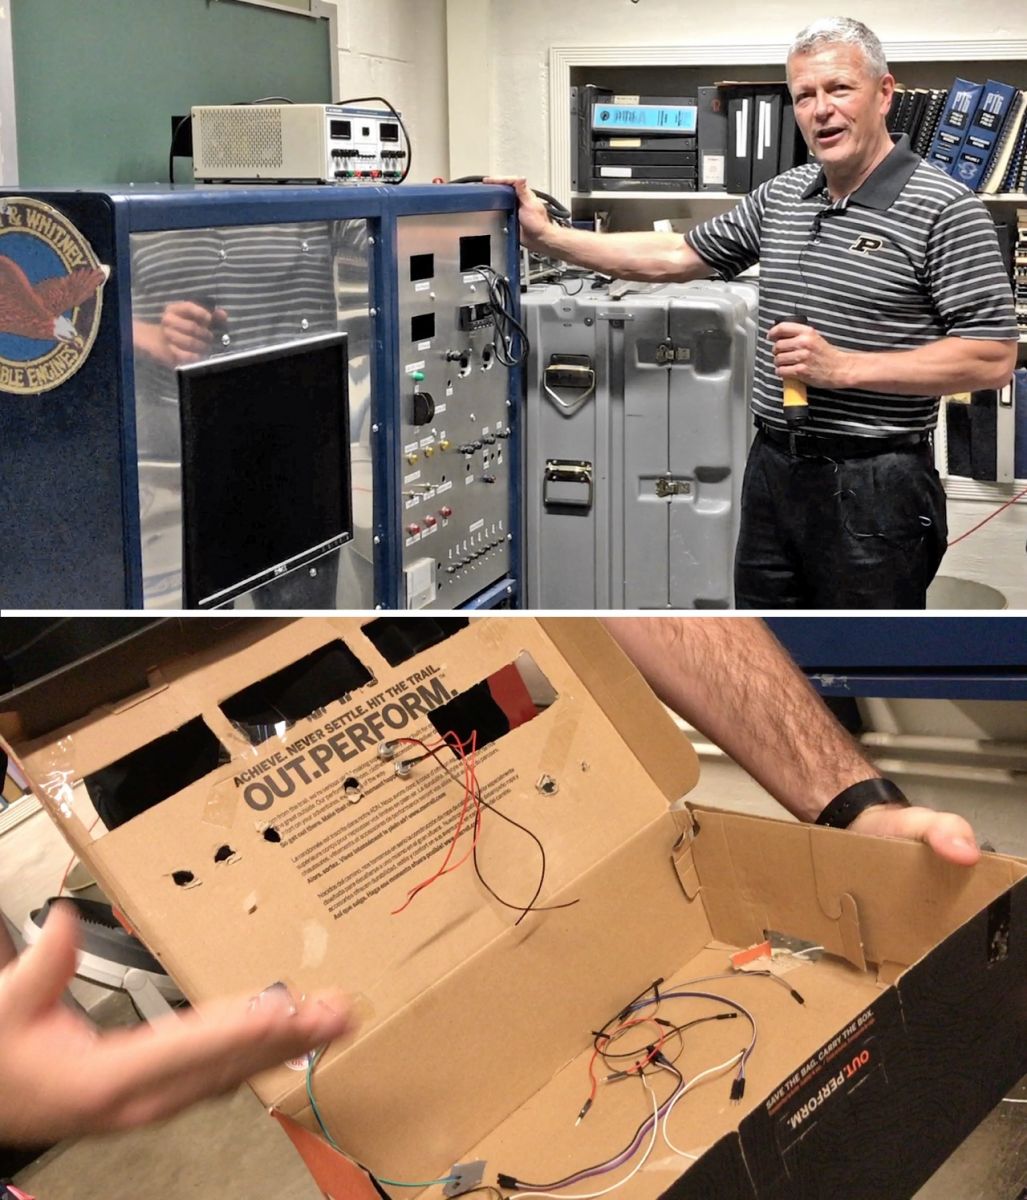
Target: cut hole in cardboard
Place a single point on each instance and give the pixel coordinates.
(272, 705)
(224, 854)
(511, 696)
(272, 835)
(142, 779)
(398, 638)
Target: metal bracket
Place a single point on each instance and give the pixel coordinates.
(667, 354)
(668, 486)
(464, 1177)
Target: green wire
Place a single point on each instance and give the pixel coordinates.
(335, 1145)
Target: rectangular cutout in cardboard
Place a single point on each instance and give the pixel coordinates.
(274, 704)
(142, 779)
(486, 711)
(399, 638)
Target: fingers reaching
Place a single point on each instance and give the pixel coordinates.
(153, 1072)
(35, 981)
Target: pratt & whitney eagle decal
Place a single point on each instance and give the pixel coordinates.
(51, 290)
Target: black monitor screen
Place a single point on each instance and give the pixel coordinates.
(265, 464)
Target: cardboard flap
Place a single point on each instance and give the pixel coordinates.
(865, 899)
(621, 692)
(543, 986)
(298, 854)
(112, 676)
(335, 1174)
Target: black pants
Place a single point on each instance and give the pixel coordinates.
(861, 532)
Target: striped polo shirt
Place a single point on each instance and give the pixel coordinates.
(910, 257)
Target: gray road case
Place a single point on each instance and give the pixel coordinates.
(637, 429)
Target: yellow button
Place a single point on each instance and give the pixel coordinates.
(429, 451)
(444, 444)
(412, 458)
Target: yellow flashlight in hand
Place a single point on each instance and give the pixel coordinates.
(796, 405)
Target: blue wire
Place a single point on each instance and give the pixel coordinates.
(335, 1145)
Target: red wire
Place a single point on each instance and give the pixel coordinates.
(608, 1038)
(1001, 508)
(470, 794)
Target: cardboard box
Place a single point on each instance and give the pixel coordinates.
(286, 860)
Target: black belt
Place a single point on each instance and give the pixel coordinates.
(825, 445)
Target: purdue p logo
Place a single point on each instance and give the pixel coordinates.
(866, 245)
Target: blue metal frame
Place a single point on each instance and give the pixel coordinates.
(184, 206)
(967, 658)
(503, 591)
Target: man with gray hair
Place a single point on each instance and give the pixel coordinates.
(881, 288)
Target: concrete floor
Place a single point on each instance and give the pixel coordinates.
(231, 1150)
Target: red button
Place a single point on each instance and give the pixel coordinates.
(445, 511)
(375, 174)
(430, 521)
(412, 529)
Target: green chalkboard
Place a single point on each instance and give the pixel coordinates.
(97, 81)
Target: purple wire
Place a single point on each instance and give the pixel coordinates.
(613, 1163)
(625, 1155)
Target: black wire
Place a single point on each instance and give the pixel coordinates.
(677, 1030)
(508, 328)
(522, 909)
(558, 213)
(187, 120)
(399, 119)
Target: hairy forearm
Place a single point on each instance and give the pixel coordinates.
(648, 257)
(950, 365)
(731, 680)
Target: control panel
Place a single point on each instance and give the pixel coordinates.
(456, 467)
(329, 143)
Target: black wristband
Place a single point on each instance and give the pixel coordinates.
(840, 812)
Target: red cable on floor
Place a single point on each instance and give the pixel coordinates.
(1001, 508)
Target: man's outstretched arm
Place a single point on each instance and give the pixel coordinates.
(649, 257)
(60, 1077)
(732, 680)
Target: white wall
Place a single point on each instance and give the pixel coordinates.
(397, 49)
(8, 140)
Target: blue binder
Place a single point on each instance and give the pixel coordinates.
(983, 133)
(955, 120)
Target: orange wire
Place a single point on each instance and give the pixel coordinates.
(657, 1046)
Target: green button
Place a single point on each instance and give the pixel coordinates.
(417, 376)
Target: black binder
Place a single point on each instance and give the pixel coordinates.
(793, 145)
(766, 137)
(740, 121)
(712, 130)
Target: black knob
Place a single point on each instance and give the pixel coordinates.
(424, 408)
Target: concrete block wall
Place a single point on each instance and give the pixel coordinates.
(397, 49)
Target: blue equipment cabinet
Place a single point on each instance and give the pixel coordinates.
(967, 658)
(284, 398)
